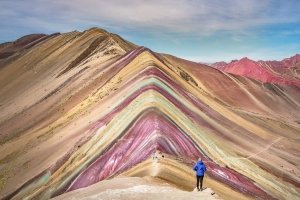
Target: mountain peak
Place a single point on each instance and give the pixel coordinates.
(246, 59)
(293, 59)
(97, 30)
(265, 71)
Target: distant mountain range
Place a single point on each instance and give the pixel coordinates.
(286, 71)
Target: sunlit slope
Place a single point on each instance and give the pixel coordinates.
(98, 106)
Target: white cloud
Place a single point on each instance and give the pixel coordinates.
(202, 30)
(197, 17)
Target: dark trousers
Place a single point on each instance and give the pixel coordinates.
(199, 179)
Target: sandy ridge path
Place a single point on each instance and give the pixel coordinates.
(135, 188)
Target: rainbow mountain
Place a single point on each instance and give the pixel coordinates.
(81, 107)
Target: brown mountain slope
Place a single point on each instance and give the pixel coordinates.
(82, 107)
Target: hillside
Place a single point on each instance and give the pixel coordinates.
(78, 108)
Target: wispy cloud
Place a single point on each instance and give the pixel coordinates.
(173, 21)
(179, 16)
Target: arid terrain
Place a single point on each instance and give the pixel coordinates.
(83, 113)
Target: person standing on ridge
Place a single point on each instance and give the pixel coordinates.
(200, 169)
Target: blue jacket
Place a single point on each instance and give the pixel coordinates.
(200, 168)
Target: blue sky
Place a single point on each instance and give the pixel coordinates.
(199, 30)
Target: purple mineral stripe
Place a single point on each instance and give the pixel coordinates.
(119, 157)
(168, 138)
(206, 109)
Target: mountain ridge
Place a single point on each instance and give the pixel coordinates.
(73, 130)
(285, 71)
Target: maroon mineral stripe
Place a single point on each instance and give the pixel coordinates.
(108, 164)
(154, 72)
(140, 130)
